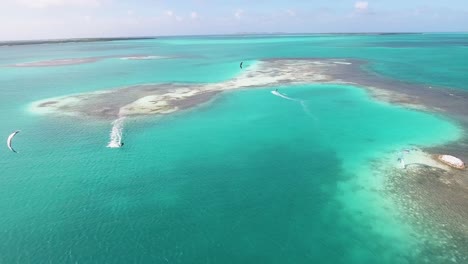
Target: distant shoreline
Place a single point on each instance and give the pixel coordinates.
(103, 39)
(73, 40)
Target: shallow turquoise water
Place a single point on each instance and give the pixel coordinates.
(246, 178)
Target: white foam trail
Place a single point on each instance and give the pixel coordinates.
(284, 96)
(306, 109)
(116, 133)
(308, 112)
(302, 102)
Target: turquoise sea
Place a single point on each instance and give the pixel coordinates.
(246, 178)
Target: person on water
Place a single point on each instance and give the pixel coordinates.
(121, 144)
(276, 90)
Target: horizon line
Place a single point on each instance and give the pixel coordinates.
(91, 39)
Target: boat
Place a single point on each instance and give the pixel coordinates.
(451, 161)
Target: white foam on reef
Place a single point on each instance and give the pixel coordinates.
(152, 57)
(116, 133)
(342, 62)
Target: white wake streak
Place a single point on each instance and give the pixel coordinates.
(116, 133)
(306, 109)
(302, 102)
(284, 96)
(308, 112)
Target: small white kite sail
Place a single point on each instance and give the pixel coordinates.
(10, 138)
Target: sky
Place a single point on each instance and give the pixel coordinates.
(56, 19)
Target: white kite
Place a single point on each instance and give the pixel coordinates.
(10, 138)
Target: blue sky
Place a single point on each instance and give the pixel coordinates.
(45, 19)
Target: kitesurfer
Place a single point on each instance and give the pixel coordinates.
(9, 140)
(241, 64)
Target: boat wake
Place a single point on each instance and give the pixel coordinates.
(284, 96)
(116, 133)
(307, 110)
(302, 102)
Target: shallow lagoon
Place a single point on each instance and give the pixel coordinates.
(247, 177)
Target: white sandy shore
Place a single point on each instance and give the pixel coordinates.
(146, 105)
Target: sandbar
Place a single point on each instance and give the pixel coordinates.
(163, 98)
(77, 61)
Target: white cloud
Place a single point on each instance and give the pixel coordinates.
(58, 3)
(291, 12)
(361, 5)
(194, 15)
(130, 12)
(238, 14)
(172, 15)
